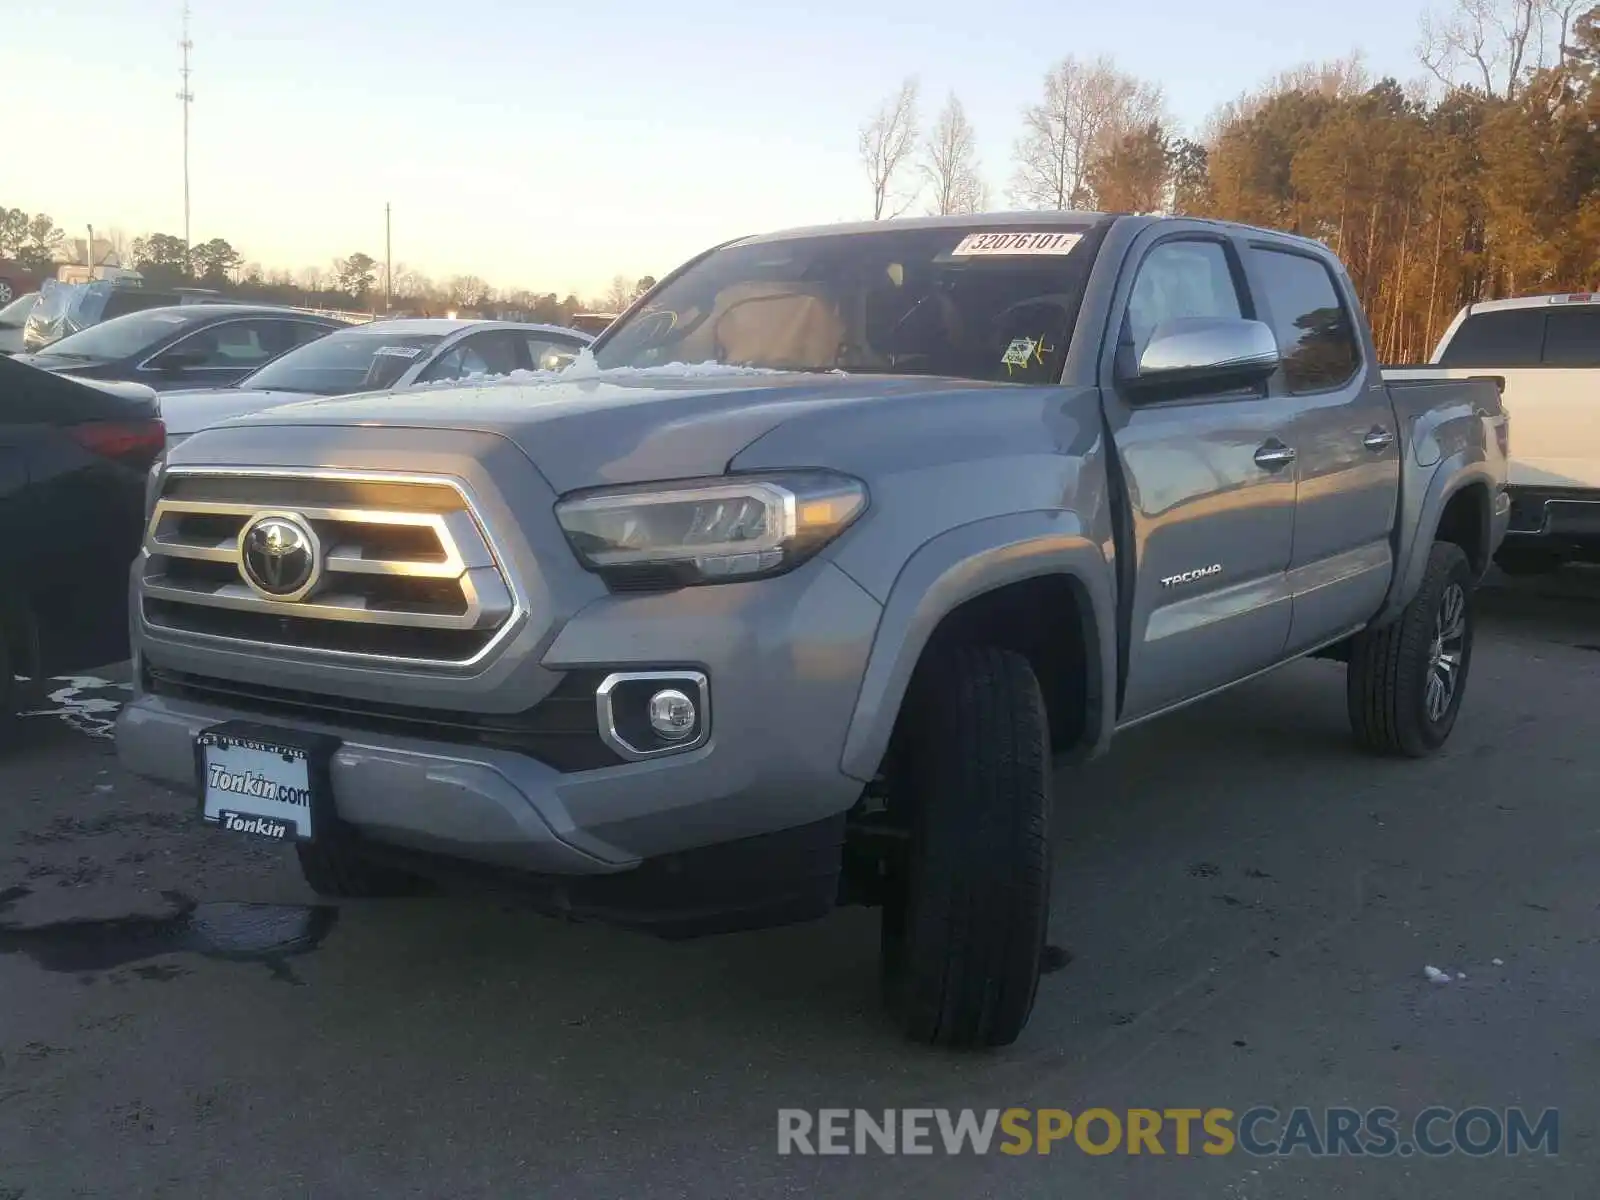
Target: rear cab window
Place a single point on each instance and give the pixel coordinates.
(1572, 337)
(1508, 337)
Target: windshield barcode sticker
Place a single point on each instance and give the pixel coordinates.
(1016, 243)
(397, 351)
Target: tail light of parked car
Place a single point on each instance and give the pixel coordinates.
(132, 443)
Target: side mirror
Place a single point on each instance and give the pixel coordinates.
(1207, 354)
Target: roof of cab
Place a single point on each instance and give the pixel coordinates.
(1483, 306)
(995, 220)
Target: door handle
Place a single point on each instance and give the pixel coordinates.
(1378, 439)
(1274, 455)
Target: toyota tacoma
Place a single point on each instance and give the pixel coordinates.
(791, 592)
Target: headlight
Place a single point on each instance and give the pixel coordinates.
(709, 530)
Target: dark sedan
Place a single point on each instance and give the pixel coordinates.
(183, 346)
(74, 460)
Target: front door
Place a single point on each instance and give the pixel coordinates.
(1347, 443)
(1211, 484)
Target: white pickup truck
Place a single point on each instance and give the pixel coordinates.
(1546, 351)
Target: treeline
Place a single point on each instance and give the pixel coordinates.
(1485, 184)
(352, 283)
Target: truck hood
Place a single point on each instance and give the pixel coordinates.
(621, 427)
(186, 411)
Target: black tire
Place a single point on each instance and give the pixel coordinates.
(1387, 685)
(964, 924)
(335, 872)
(1517, 562)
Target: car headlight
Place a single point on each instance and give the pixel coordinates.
(731, 527)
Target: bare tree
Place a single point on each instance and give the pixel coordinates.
(467, 291)
(1494, 44)
(619, 295)
(886, 142)
(1086, 107)
(950, 163)
(1335, 79)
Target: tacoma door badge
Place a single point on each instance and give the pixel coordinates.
(1191, 576)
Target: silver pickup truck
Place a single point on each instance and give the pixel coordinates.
(791, 593)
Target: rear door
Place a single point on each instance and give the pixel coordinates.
(1210, 485)
(1344, 435)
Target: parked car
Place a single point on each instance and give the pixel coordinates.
(74, 460)
(183, 346)
(1546, 349)
(15, 280)
(13, 317)
(65, 308)
(697, 648)
(385, 355)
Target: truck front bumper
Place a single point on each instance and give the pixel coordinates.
(782, 659)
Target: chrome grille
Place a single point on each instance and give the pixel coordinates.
(408, 572)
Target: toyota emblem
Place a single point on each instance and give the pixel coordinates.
(279, 555)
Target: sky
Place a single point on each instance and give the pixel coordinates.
(554, 146)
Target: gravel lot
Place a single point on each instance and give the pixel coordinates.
(1248, 904)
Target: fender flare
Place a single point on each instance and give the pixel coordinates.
(957, 566)
(1460, 470)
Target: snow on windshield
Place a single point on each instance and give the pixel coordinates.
(585, 367)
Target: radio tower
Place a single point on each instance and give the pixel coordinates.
(187, 97)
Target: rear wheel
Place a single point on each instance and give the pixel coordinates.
(334, 871)
(1406, 680)
(964, 922)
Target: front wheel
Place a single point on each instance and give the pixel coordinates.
(1406, 680)
(964, 923)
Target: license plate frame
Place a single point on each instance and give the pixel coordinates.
(249, 747)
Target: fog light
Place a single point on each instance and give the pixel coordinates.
(672, 714)
(645, 713)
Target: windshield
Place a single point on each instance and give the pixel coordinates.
(993, 305)
(120, 337)
(353, 360)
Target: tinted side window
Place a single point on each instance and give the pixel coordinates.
(485, 354)
(548, 352)
(1176, 281)
(301, 332)
(1315, 333)
(1572, 337)
(1511, 337)
(230, 345)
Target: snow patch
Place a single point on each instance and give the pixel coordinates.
(1435, 975)
(78, 706)
(585, 366)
